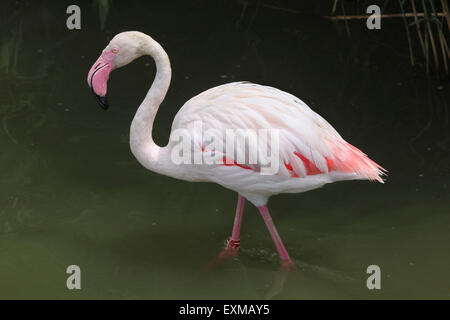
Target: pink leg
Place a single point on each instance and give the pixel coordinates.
(282, 252)
(233, 241)
(232, 246)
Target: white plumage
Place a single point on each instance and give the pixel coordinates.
(243, 105)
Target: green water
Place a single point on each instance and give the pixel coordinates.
(72, 193)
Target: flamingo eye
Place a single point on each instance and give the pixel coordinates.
(115, 50)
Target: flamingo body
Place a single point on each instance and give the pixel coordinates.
(310, 152)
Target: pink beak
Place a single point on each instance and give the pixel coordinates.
(98, 77)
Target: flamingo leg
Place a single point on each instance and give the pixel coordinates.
(282, 252)
(233, 242)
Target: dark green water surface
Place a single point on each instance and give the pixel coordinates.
(72, 193)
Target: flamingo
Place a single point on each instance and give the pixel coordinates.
(311, 153)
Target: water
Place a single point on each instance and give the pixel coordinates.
(72, 193)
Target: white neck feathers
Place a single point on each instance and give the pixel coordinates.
(141, 141)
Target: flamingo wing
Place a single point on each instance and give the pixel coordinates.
(308, 144)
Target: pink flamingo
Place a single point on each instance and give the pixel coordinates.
(311, 152)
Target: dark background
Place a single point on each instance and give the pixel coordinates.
(72, 193)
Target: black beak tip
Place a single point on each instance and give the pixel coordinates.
(102, 101)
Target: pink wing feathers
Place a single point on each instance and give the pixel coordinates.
(308, 144)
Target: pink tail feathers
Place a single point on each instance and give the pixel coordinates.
(348, 158)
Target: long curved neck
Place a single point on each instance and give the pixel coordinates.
(141, 141)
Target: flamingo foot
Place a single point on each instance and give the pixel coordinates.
(231, 249)
(288, 265)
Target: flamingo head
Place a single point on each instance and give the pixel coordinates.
(122, 49)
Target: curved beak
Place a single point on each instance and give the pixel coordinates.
(98, 80)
